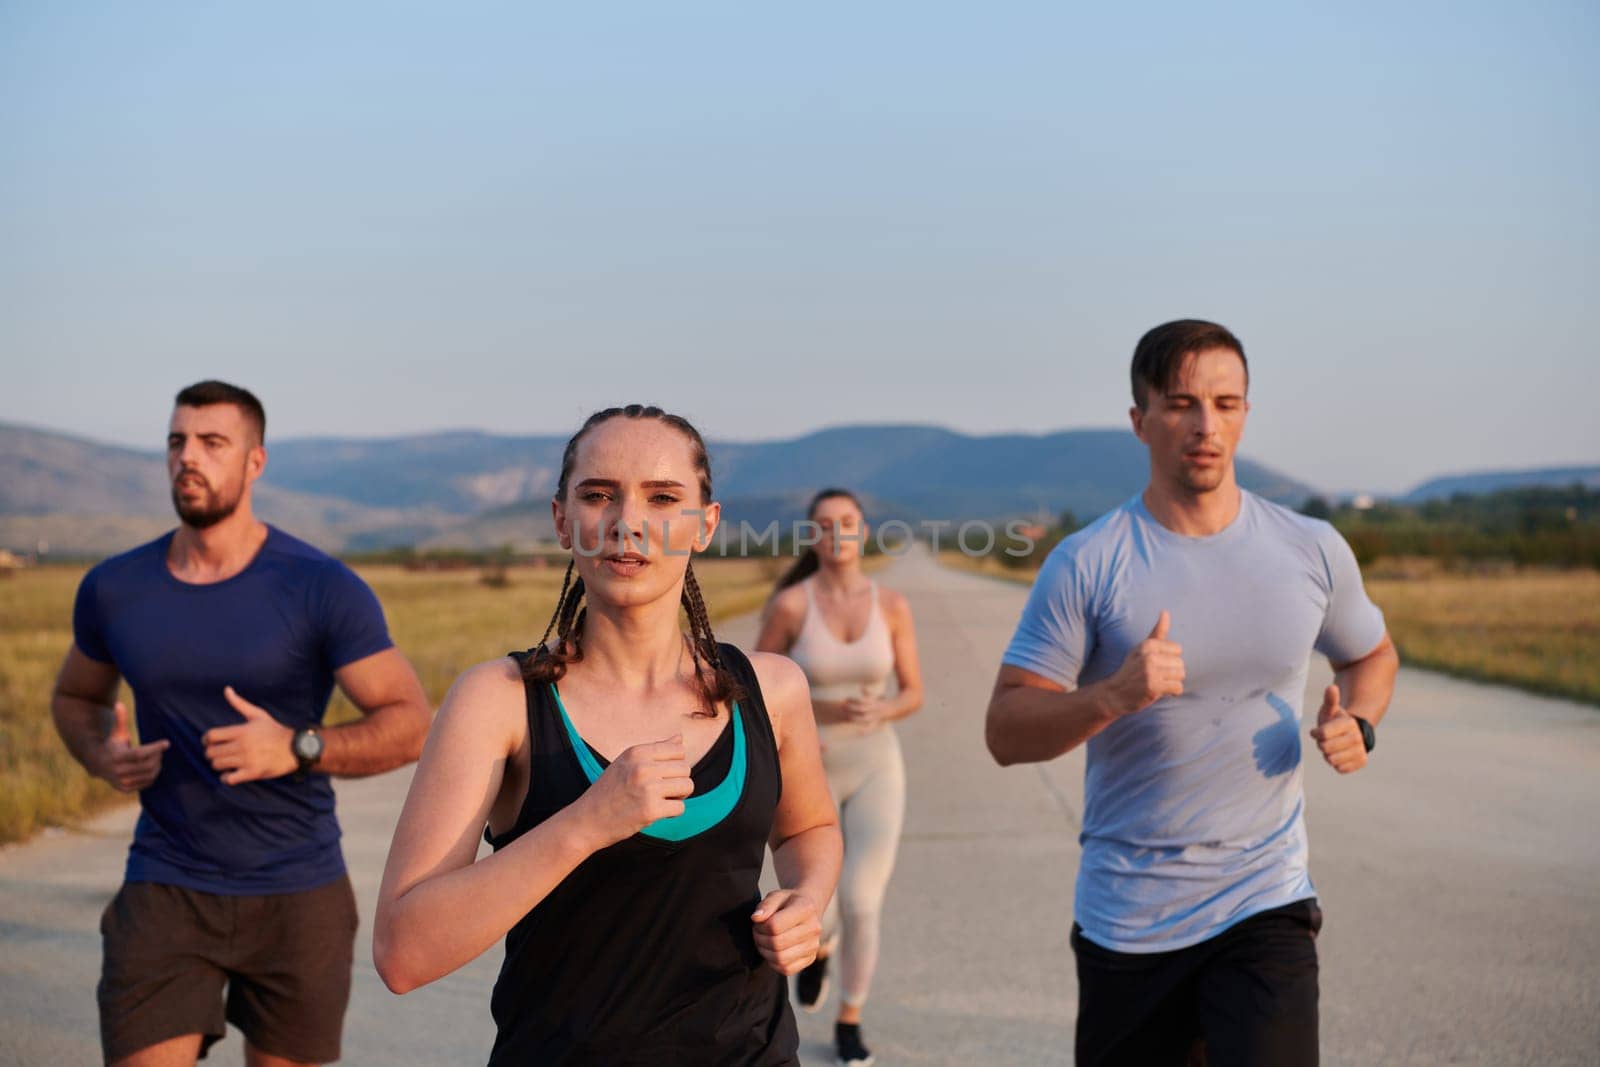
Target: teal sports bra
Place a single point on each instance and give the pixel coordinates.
(700, 813)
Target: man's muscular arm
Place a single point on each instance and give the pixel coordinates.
(1032, 719)
(394, 723)
(94, 724)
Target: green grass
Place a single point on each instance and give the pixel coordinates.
(444, 621)
(1538, 630)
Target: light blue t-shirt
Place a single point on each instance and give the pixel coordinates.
(1193, 809)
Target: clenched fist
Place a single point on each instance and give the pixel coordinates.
(645, 783)
(788, 930)
(865, 711)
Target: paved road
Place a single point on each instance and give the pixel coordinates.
(1460, 876)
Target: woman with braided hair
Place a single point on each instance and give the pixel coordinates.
(629, 777)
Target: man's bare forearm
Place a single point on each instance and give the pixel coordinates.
(388, 736)
(1367, 685)
(83, 724)
(1027, 724)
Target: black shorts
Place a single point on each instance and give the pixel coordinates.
(284, 960)
(1246, 996)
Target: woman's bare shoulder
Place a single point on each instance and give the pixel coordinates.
(783, 683)
(490, 694)
(894, 604)
(492, 675)
(788, 603)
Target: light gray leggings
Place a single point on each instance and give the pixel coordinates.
(868, 779)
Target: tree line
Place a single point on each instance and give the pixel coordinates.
(1543, 526)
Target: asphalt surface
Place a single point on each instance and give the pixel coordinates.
(1459, 874)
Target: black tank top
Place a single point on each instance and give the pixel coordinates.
(645, 954)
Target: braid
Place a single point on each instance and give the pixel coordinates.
(722, 685)
(567, 621)
(566, 583)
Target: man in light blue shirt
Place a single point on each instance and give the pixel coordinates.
(1173, 636)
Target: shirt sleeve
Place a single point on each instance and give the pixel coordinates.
(353, 626)
(1352, 626)
(87, 632)
(1054, 634)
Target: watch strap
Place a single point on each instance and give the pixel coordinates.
(1369, 736)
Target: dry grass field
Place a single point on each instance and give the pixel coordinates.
(1538, 630)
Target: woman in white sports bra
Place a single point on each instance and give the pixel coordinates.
(850, 637)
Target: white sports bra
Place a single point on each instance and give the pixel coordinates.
(839, 670)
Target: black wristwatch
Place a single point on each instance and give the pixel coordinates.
(1369, 736)
(307, 749)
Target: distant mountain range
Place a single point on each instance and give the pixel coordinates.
(85, 498)
(922, 470)
(1492, 481)
(473, 490)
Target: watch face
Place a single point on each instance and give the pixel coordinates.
(308, 745)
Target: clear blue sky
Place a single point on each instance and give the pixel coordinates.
(390, 218)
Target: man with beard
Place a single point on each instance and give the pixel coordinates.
(1173, 636)
(235, 905)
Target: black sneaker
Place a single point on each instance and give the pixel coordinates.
(811, 984)
(847, 1041)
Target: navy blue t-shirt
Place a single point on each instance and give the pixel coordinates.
(276, 632)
